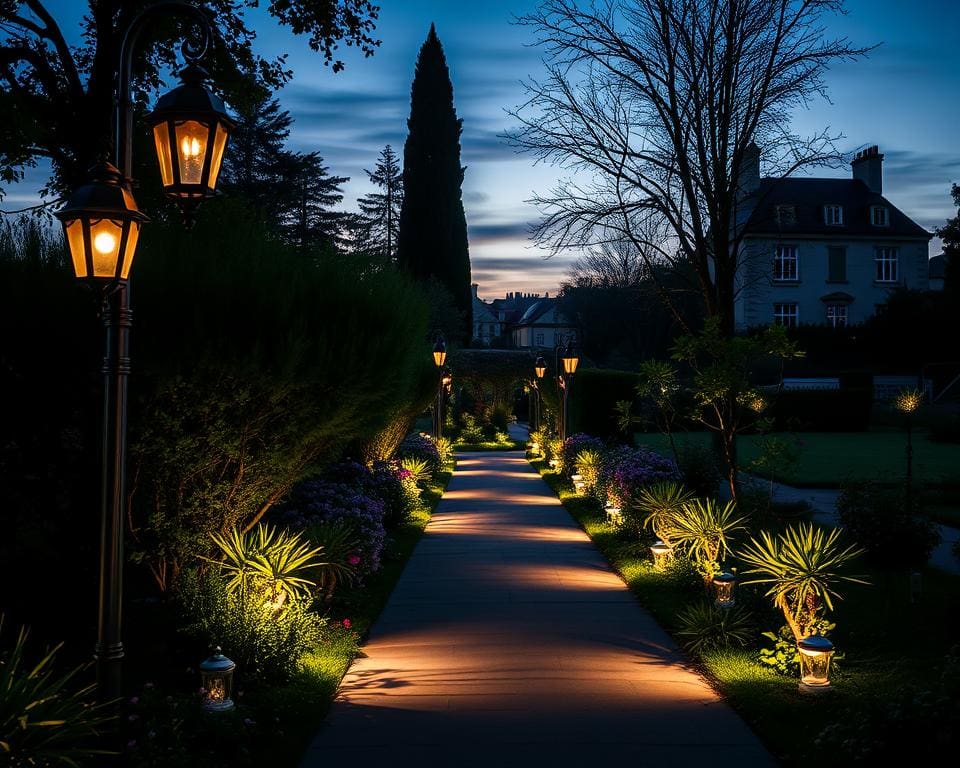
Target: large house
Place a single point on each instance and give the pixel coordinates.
(493, 320)
(824, 250)
(542, 326)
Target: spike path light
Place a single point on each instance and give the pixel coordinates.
(101, 224)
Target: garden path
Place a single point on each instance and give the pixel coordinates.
(509, 641)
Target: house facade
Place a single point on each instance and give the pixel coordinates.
(824, 250)
(542, 327)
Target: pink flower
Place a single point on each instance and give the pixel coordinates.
(135, 700)
(347, 624)
(132, 744)
(353, 559)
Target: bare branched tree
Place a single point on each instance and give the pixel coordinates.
(656, 108)
(613, 263)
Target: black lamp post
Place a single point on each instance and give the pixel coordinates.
(570, 360)
(101, 223)
(439, 359)
(540, 369)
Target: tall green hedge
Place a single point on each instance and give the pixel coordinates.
(592, 398)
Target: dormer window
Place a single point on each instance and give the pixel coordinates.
(786, 214)
(879, 216)
(833, 215)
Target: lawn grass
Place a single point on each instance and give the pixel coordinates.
(828, 459)
(302, 703)
(491, 445)
(892, 652)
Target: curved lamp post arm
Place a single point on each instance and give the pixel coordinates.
(192, 49)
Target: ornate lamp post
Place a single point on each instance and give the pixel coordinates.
(101, 224)
(570, 360)
(439, 358)
(540, 369)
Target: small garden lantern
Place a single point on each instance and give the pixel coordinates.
(661, 555)
(723, 587)
(578, 483)
(101, 224)
(216, 674)
(190, 128)
(439, 353)
(816, 652)
(540, 367)
(570, 359)
(614, 514)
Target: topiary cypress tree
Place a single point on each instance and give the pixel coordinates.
(432, 241)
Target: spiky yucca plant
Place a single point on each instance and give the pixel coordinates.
(268, 560)
(418, 468)
(338, 541)
(659, 504)
(587, 464)
(705, 626)
(702, 529)
(45, 719)
(802, 567)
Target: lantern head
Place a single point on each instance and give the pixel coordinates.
(190, 128)
(439, 353)
(723, 585)
(101, 224)
(216, 674)
(540, 367)
(570, 359)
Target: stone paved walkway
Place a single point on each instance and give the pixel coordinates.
(510, 642)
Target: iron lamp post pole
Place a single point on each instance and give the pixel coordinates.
(117, 319)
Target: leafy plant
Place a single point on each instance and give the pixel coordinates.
(705, 626)
(444, 450)
(338, 542)
(587, 464)
(267, 561)
(659, 504)
(802, 566)
(702, 529)
(45, 719)
(266, 641)
(418, 468)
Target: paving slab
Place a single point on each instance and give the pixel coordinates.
(509, 641)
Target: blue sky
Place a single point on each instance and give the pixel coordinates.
(905, 97)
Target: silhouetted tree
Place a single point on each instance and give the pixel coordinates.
(306, 194)
(57, 97)
(380, 211)
(950, 234)
(433, 228)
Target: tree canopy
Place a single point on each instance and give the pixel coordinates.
(380, 211)
(656, 107)
(57, 93)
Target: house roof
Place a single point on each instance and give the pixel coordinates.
(936, 267)
(808, 196)
(536, 311)
(482, 312)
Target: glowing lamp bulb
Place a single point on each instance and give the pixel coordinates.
(105, 243)
(190, 146)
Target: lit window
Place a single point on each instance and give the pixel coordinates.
(786, 314)
(786, 214)
(833, 214)
(879, 216)
(837, 315)
(887, 262)
(785, 263)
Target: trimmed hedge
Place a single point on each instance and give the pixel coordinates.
(592, 399)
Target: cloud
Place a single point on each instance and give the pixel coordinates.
(513, 230)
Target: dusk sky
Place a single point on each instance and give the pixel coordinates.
(903, 97)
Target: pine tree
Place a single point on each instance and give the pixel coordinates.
(254, 152)
(433, 229)
(305, 197)
(380, 211)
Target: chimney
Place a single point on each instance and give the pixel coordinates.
(474, 287)
(750, 170)
(868, 167)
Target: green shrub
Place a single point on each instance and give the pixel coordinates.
(705, 626)
(445, 450)
(46, 718)
(890, 526)
(264, 640)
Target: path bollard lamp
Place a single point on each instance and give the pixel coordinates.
(816, 652)
(661, 555)
(723, 588)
